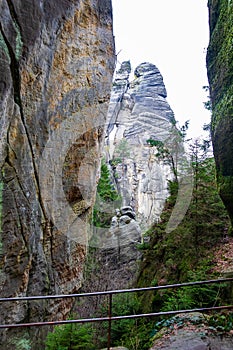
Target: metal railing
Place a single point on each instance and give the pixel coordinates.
(109, 318)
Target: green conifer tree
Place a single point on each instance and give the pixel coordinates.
(107, 199)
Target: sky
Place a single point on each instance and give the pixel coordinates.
(173, 35)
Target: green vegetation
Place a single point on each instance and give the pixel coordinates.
(1, 188)
(221, 322)
(185, 253)
(194, 296)
(18, 41)
(121, 153)
(131, 333)
(72, 336)
(207, 104)
(220, 75)
(21, 343)
(3, 45)
(107, 199)
(217, 324)
(163, 153)
(172, 152)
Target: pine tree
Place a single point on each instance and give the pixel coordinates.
(107, 199)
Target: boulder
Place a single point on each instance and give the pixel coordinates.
(191, 332)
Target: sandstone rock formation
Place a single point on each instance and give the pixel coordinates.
(138, 112)
(121, 254)
(220, 75)
(57, 61)
(124, 230)
(113, 263)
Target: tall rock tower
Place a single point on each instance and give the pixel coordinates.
(140, 112)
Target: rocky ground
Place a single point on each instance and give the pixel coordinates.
(117, 348)
(192, 332)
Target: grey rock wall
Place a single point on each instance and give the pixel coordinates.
(219, 61)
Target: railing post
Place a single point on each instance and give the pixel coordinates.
(109, 320)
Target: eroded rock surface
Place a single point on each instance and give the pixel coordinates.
(57, 61)
(186, 340)
(220, 76)
(138, 112)
(114, 261)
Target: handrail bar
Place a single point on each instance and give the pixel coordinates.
(101, 319)
(118, 291)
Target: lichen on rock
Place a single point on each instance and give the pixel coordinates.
(220, 75)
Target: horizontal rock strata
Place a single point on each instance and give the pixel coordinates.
(138, 112)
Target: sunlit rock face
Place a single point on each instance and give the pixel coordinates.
(138, 112)
(57, 62)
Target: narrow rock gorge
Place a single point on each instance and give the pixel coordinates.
(61, 114)
(57, 62)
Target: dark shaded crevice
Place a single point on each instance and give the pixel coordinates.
(14, 68)
(8, 142)
(13, 13)
(51, 271)
(7, 161)
(15, 74)
(21, 227)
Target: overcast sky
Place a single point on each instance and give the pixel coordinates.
(173, 35)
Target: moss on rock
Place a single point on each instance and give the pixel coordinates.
(220, 75)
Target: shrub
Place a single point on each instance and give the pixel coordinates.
(71, 336)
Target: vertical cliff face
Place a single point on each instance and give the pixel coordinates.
(138, 112)
(57, 61)
(220, 75)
